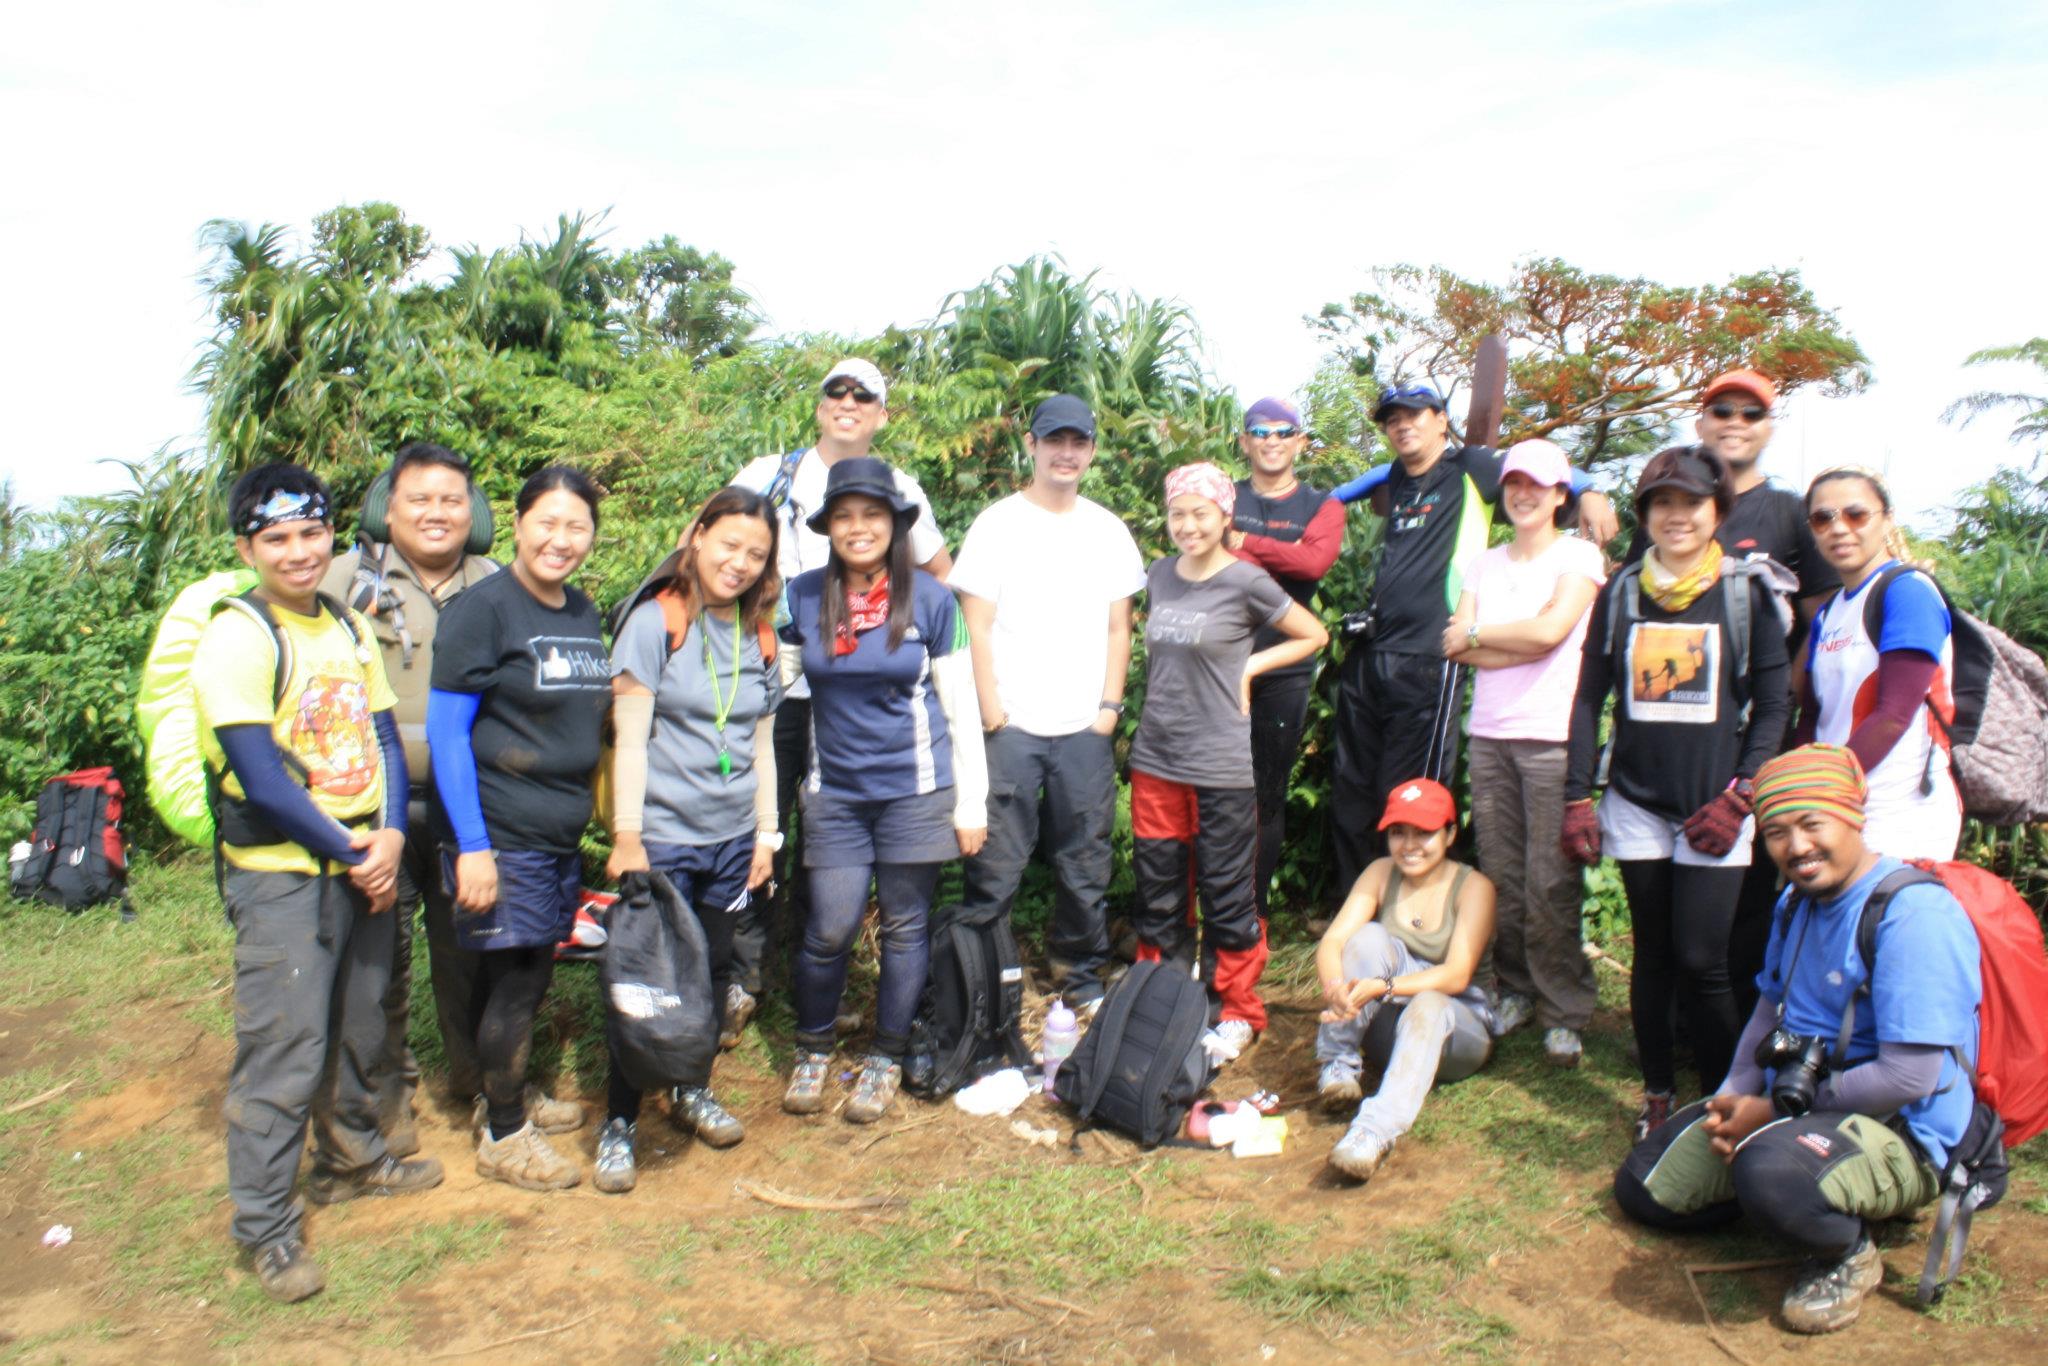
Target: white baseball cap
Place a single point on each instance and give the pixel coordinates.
(861, 372)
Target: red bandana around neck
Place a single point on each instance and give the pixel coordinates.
(864, 612)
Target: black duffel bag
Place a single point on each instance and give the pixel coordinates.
(656, 977)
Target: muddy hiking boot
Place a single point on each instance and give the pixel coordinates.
(288, 1273)
(1337, 1085)
(739, 1008)
(1360, 1152)
(879, 1079)
(614, 1172)
(1829, 1295)
(524, 1158)
(806, 1093)
(401, 1133)
(694, 1110)
(387, 1176)
(1511, 1012)
(543, 1112)
(1562, 1047)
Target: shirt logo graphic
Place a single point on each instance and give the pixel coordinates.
(1818, 1143)
(569, 662)
(1674, 673)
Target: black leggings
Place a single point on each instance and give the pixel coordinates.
(509, 986)
(1682, 916)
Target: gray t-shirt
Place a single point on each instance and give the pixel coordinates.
(689, 801)
(1197, 638)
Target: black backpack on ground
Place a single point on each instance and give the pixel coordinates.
(656, 978)
(1141, 1065)
(77, 856)
(968, 1025)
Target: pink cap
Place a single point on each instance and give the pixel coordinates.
(1539, 460)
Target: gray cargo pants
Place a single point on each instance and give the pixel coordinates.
(1518, 812)
(311, 964)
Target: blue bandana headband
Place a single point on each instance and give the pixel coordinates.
(281, 507)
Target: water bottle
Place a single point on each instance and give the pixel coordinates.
(1056, 1043)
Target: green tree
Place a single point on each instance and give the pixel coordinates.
(2033, 421)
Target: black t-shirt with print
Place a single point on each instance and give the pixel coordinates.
(1435, 529)
(545, 680)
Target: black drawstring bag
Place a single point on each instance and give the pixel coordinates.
(656, 976)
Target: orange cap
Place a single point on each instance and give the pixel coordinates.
(1744, 381)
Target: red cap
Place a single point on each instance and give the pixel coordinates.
(1424, 804)
(1743, 381)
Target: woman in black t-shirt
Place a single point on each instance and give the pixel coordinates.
(521, 687)
(1696, 712)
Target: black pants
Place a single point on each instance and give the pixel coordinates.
(1681, 915)
(1396, 719)
(1279, 708)
(769, 928)
(452, 968)
(1751, 932)
(510, 985)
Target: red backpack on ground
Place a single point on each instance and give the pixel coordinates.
(77, 856)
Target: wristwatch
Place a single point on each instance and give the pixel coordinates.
(1108, 705)
(769, 839)
(1472, 636)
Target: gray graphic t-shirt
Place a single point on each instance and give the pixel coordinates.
(691, 797)
(1197, 638)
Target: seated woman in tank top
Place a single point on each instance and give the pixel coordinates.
(1406, 971)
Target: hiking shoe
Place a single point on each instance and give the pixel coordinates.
(1511, 1012)
(1337, 1085)
(1562, 1048)
(614, 1172)
(879, 1078)
(390, 1176)
(524, 1158)
(739, 1008)
(1829, 1295)
(806, 1093)
(1228, 1039)
(401, 1134)
(694, 1110)
(1359, 1153)
(288, 1273)
(1657, 1107)
(543, 1112)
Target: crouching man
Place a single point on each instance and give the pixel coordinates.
(1811, 1140)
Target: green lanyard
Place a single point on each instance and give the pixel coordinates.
(723, 703)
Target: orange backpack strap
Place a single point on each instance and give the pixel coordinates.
(765, 629)
(672, 618)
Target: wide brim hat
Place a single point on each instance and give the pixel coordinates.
(863, 474)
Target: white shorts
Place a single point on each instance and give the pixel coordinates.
(1629, 832)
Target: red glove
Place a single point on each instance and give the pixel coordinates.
(1714, 827)
(1580, 841)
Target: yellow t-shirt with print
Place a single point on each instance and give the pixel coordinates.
(323, 720)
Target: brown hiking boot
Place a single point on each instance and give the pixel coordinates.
(1829, 1295)
(524, 1158)
(288, 1273)
(391, 1176)
(543, 1112)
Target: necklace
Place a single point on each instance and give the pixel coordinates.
(722, 703)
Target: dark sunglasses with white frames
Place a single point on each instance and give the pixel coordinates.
(839, 389)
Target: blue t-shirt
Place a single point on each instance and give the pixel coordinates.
(877, 730)
(1915, 617)
(1925, 990)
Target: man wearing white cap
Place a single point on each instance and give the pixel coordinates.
(852, 407)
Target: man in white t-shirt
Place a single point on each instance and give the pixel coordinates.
(1045, 581)
(853, 405)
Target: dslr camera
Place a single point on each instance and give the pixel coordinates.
(1797, 1062)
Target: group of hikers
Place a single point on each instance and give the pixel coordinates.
(411, 725)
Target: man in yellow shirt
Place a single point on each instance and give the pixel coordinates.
(296, 715)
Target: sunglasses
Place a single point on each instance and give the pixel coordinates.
(1262, 431)
(839, 389)
(1748, 412)
(1856, 515)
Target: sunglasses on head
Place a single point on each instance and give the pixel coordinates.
(1856, 515)
(840, 388)
(1748, 412)
(1264, 430)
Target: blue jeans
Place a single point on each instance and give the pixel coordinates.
(839, 903)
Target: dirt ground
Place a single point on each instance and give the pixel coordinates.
(1489, 1235)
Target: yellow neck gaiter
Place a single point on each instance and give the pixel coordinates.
(1676, 592)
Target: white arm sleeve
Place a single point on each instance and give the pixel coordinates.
(765, 813)
(953, 679)
(632, 723)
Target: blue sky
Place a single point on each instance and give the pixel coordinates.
(858, 162)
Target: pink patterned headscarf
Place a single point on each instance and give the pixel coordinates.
(1208, 481)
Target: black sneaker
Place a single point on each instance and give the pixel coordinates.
(288, 1273)
(391, 1176)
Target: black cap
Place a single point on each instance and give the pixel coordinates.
(862, 474)
(1689, 469)
(1411, 396)
(1062, 413)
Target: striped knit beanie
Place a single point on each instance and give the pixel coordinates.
(1823, 778)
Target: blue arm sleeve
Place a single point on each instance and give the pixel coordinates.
(253, 756)
(1582, 482)
(397, 778)
(450, 718)
(1364, 484)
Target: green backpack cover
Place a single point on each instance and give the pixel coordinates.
(168, 712)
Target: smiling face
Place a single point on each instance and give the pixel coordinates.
(730, 555)
(845, 422)
(1195, 523)
(429, 516)
(1416, 432)
(1417, 852)
(860, 529)
(1835, 508)
(1530, 505)
(1273, 456)
(552, 538)
(1818, 853)
(1680, 523)
(1059, 459)
(1736, 426)
(290, 559)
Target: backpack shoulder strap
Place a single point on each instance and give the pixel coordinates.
(1874, 907)
(340, 612)
(777, 492)
(1873, 605)
(1115, 1019)
(764, 631)
(250, 604)
(1626, 581)
(673, 619)
(1736, 597)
